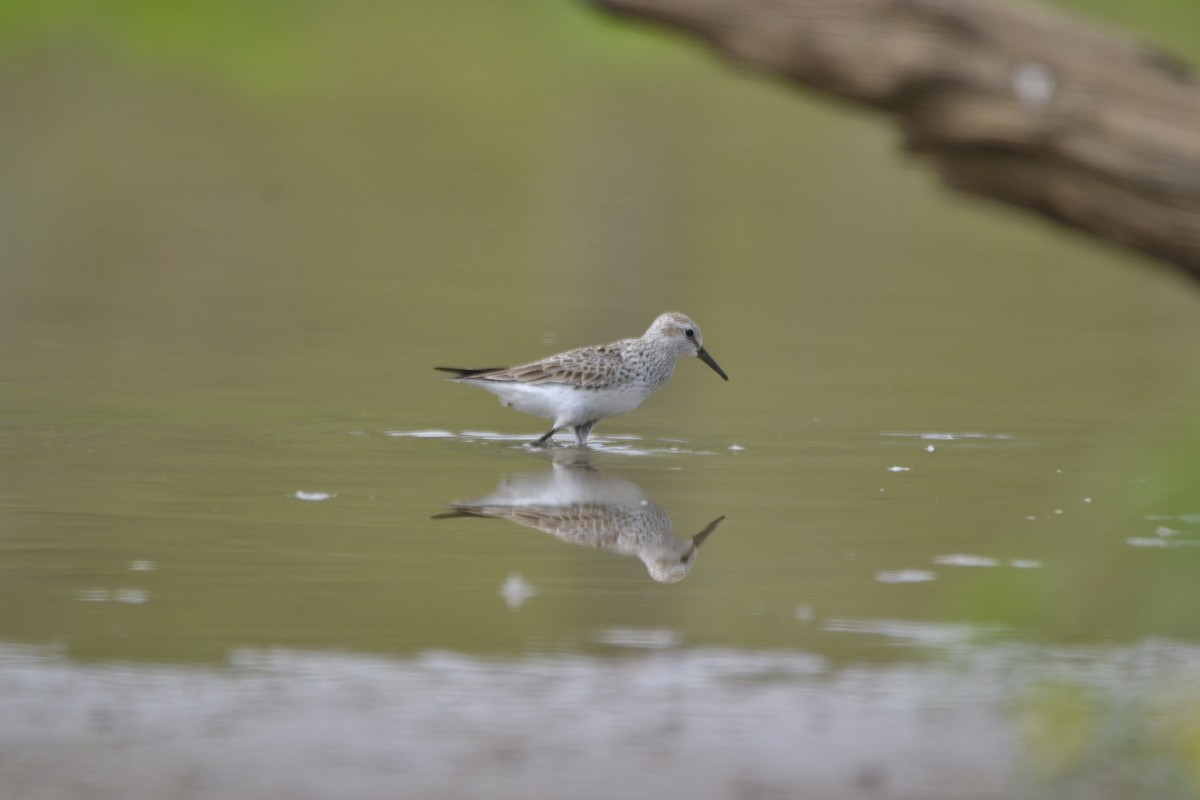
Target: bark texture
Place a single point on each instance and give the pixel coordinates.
(1011, 102)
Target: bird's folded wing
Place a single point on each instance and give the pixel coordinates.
(587, 367)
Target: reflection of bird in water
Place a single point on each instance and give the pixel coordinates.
(588, 508)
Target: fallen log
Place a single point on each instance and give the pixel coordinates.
(1011, 102)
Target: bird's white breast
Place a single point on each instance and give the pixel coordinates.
(564, 404)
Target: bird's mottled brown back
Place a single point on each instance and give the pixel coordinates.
(587, 367)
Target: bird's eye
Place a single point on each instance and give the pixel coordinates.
(691, 334)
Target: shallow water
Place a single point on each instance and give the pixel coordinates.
(937, 537)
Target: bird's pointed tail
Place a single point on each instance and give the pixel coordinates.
(459, 372)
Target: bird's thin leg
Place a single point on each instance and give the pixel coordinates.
(582, 431)
(545, 440)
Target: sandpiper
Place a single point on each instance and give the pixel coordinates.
(580, 387)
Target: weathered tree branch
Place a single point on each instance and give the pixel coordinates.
(1009, 102)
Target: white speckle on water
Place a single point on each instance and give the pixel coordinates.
(930, 449)
(649, 639)
(133, 597)
(966, 560)
(1058, 511)
(142, 565)
(905, 576)
(737, 448)
(899, 469)
(516, 590)
(930, 634)
(430, 434)
(1144, 541)
(313, 496)
(1163, 530)
(127, 596)
(1031, 518)
(1087, 500)
(805, 613)
(947, 436)
(493, 436)
(1025, 563)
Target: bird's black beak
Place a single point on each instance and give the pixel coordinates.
(707, 359)
(699, 538)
